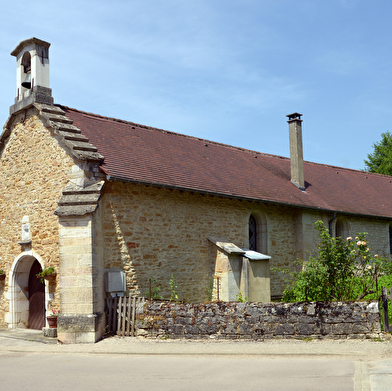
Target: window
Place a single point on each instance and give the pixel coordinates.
(341, 228)
(257, 227)
(253, 233)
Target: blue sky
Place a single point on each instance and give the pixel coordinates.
(224, 70)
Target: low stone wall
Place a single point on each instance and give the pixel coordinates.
(233, 320)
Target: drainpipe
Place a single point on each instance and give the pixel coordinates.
(330, 223)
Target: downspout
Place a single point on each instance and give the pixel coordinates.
(330, 224)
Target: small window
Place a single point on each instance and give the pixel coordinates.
(341, 228)
(258, 233)
(252, 233)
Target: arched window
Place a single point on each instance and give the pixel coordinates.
(252, 233)
(257, 227)
(26, 62)
(341, 228)
(26, 76)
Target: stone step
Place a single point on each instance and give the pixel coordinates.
(88, 155)
(79, 199)
(81, 146)
(67, 128)
(74, 189)
(59, 118)
(51, 109)
(74, 136)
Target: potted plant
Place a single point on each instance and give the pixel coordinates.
(2, 275)
(48, 273)
(52, 318)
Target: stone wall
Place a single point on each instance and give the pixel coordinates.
(34, 169)
(222, 320)
(152, 232)
(378, 233)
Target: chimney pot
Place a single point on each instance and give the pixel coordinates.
(294, 116)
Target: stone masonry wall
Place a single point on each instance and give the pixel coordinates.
(153, 233)
(378, 233)
(222, 320)
(33, 173)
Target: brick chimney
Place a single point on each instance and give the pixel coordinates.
(296, 150)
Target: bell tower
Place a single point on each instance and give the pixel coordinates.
(32, 74)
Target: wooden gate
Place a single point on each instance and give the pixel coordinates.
(36, 298)
(123, 313)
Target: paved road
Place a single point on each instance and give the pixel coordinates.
(138, 364)
(39, 371)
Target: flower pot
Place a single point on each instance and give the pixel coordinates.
(50, 277)
(52, 321)
(2, 277)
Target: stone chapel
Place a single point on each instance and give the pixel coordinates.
(111, 204)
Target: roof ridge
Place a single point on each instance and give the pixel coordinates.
(347, 169)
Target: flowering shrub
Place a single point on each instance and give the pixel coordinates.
(344, 269)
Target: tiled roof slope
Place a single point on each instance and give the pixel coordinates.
(147, 155)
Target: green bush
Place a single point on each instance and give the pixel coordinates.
(155, 289)
(343, 270)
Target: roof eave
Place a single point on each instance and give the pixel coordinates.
(232, 196)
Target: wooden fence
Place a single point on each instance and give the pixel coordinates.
(122, 314)
(385, 311)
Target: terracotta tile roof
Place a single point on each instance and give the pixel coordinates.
(153, 156)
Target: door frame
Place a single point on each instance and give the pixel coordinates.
(18, 315)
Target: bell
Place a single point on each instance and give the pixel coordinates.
(27, 81)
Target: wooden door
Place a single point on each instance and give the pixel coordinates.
(36, 298)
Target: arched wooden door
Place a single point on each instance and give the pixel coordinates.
(36, 298)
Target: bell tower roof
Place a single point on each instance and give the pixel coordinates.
(27, 42)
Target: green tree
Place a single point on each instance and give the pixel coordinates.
(343, 270)
(380, 161)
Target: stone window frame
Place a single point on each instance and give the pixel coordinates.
(342, 228)
(260, 219)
